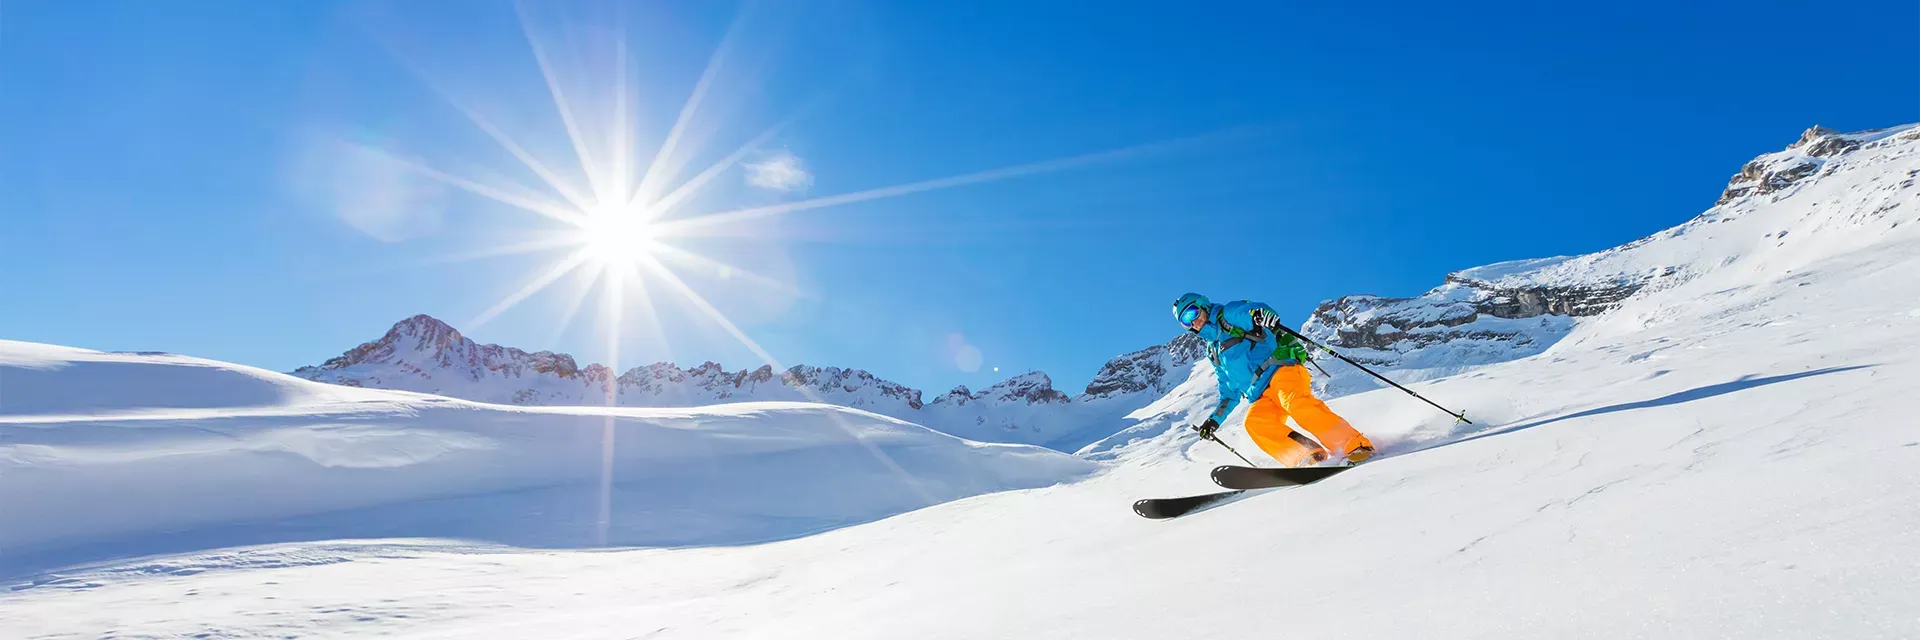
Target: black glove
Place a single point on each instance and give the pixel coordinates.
(1266, 319)
(1206, 429)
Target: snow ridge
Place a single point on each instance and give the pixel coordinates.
(426, 355)
(1521, 308)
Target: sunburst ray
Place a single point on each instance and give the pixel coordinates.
(571, 308)
(559, 268)
(617, 230)
(546, 174)
(687, 226)
(692, 186)
(663, 166)
(562, 105)
(500, 251)
(497, 194)
(699, 302)
(719, 268)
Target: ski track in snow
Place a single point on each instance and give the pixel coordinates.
(1730, 456)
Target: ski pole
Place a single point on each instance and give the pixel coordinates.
(1461, 416)
(1229, 447)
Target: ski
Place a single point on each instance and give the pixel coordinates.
(1244, 478)
(1163, 508)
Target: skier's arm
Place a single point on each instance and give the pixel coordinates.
(1229, 398)
(1249, 315)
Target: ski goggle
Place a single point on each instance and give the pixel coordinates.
(1189, 314)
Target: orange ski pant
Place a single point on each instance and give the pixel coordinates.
(1291, 393)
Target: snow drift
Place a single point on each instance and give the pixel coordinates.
(171, 453)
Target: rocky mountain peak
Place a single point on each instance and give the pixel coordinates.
(423, 331)
(1813, 133)
(1776, 171)
(833, 381)
(424, 354)
(1186, 348)
(558, 364)
(1032, 387)
(960, 395)
(1146, 369)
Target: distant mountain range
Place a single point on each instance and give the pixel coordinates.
(1477, 316)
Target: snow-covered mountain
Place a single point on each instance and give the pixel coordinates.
(1512, 310)
(1724, 453)
(1727, 452)
(1479, 316)
(426, 355)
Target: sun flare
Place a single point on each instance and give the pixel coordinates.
(622, 220)
(617, 238)
(626, 224)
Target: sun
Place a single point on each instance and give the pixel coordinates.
(615, 237)
(622, 224)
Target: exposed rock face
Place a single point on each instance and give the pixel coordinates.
(960, 395)
(1454, 311)
(1777, 171)
(1767, 175)
(444, 348)
(1032, 387)
(846, 380)
(1821, 142)
(1503, 302)
(1515, 309)
(1145, 370)
(424, 354)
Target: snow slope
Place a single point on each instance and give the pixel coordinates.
(1730, 454)
(173, 453)
(1853, 190)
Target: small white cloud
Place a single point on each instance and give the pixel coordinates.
(781, 171)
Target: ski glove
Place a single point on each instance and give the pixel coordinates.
(1266, 319)
(1206, 429)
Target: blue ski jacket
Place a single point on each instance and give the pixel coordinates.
(1244, 352)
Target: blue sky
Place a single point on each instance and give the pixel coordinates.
(236, 180)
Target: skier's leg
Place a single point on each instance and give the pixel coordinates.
(1294, 390)
(1267, 425)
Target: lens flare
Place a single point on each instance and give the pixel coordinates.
(615, 234)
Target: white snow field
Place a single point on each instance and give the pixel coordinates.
(1733, 453)
(109, 455)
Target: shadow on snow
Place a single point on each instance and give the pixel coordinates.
(1689, 395)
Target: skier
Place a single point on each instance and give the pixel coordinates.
(1253, 358)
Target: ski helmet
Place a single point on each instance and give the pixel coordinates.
(1187, 306)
